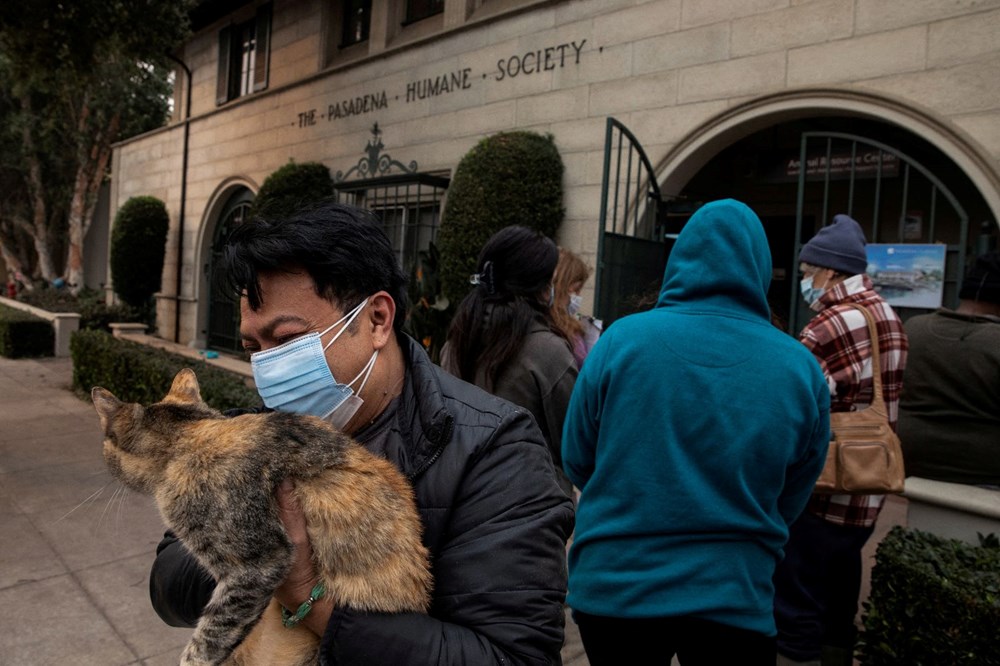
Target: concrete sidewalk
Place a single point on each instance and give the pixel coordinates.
(75, 550)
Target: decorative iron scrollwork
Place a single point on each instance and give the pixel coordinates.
(374, 163)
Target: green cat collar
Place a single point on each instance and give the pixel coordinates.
(290, 620)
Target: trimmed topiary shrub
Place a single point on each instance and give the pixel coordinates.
(23, 335)
(138, 241)
(136, 373)
(291, 187)
(508, 178)
(933, 602)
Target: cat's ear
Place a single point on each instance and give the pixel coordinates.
(185, 388)
(106, 404)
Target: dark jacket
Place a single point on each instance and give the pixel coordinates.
(540, 378)
(495, 523)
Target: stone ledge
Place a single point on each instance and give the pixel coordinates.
(64, 324)
(971, 499)
(230, 363)
(121, 329)
(952, 510)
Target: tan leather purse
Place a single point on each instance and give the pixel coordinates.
(865, 457)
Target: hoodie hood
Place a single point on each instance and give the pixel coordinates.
(720, 263)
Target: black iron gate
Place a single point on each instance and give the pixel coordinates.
(636, 231)
(223, 307)
(409, 206)
(894, 198)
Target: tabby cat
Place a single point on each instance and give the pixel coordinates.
(213, 479)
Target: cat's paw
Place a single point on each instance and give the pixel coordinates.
(192, 657)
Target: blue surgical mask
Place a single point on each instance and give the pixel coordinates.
(575, 301)
(295, 377)
(809, 292)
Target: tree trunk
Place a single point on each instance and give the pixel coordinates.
(36, 189)
(89, 175)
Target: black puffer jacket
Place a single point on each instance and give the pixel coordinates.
(495, 522)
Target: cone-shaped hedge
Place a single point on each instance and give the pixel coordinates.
(138, 242)
(508, 178)
(291, 187)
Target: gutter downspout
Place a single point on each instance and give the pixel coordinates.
(180, 221)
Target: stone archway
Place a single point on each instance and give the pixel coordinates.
(202, 255)
(686, 158)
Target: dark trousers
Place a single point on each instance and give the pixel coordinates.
(612, 641)
(816, 587)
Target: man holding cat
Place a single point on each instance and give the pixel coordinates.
(322, 309)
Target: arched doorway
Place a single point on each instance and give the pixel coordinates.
(752, 153)
(797, 175)
(223, 307)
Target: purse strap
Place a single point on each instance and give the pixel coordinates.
(878, 402)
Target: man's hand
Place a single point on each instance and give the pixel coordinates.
(302, 577)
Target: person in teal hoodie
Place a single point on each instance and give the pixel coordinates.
(695, 433)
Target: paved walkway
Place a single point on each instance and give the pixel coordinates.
(75, 550)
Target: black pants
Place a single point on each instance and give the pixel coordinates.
(611, 641)
(816, 587)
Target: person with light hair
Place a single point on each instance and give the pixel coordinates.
(581, 330)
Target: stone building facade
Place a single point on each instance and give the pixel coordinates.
(894, 106)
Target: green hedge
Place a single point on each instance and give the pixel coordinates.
(138, 244)
(934, 602)
(508, 178)
(23, 335)
(136, 373)
(89, 304)
(291, 187)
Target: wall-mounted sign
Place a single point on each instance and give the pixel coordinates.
(866, 163)
(910, 276)
(545, 59)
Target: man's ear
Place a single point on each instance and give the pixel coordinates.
(382, 313)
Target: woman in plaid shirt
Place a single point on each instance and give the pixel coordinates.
(817, 584)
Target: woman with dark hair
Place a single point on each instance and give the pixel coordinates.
(503, 339)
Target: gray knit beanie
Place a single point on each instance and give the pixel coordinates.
(840, 246)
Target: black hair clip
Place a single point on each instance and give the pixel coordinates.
(485, 278)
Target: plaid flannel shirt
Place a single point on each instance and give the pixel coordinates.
(838, 337)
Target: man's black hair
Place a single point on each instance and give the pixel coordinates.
(343, 248)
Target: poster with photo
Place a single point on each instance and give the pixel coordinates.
(910, 276)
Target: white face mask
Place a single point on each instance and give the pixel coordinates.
(810, 293)
(575, 301)
(295, 377)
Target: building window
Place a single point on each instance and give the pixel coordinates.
(417, 10)
(409, 206)
(357, 19)
(244, 55)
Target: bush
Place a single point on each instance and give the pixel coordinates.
(50, 299)
(23, 335)
(138, 242)
(291, 187)
(508, 178)
(136, 373)
(89, 304)
(934, 601)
